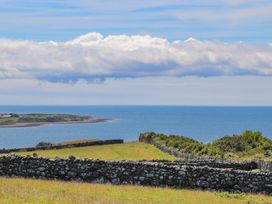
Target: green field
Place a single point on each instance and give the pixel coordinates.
(19, 191)
(126, 151)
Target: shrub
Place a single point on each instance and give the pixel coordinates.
(248, 143)
(72, 157)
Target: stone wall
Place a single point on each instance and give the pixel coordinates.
(213, 161)
(264, 165)
(250, 165)
(60, 146)
(153, 173)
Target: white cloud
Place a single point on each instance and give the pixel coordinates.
(93, 56)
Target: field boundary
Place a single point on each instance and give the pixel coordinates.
(151, 173)
(260, 164)
(62, 146)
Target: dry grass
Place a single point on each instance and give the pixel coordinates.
(14, 190)
(126, 151)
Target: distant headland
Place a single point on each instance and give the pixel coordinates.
(8, 120)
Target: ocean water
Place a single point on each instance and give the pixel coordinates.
(202, 123)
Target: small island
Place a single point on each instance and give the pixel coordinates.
(8, 120)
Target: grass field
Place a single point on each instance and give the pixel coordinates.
(126, 151)
(14, 190)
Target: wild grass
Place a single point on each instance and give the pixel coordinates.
(126, 151)
(19, 191)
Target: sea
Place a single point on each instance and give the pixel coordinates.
(204, 123)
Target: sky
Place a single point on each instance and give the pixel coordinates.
(116, 52)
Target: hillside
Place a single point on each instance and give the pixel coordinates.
(247, 145)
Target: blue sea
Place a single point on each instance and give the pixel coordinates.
(201, 123)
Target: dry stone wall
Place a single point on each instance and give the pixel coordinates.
(152, 173)
(249, 165)
(213, 161)
(62, 146)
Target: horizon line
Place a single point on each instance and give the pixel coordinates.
(185, 105)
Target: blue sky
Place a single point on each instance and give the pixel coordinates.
(181, 52)
(222, 20)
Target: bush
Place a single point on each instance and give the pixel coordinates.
(44, 144)
(72, 157)
(249, 143)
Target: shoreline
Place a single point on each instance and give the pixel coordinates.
(34, 124)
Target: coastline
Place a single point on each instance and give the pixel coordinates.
(34, 124)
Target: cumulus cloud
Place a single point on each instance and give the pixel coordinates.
(95, 57)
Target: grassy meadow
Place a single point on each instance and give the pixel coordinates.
(126, 151)
(19, 191)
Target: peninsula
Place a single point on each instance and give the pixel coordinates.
(36, 119)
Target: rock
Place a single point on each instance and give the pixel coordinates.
(115, 181)
(141, 178)
(41, 168)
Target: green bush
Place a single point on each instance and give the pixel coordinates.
(249, 143)
(72, 157)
